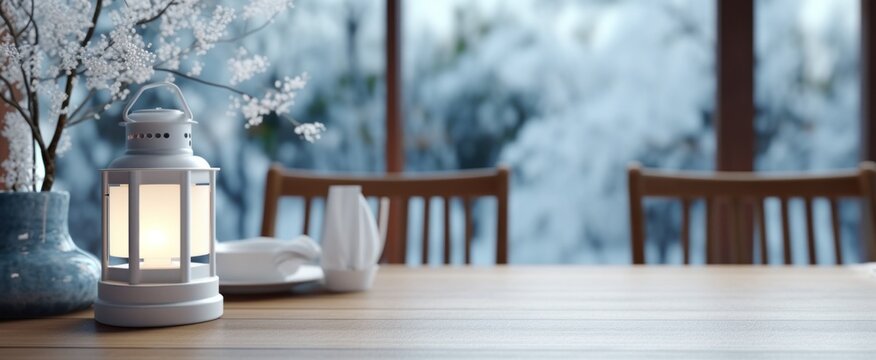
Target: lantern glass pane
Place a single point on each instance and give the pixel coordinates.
(159, 222)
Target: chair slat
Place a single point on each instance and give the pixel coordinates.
(403, 239)
(685, 230)
(447, 205)
(306, 225)
(731, 243)
(810, 231)
(745, 233)
(837, 231)
(711, 247)
(786, 231)
(426, 201)
(761, 227)
(469, 228)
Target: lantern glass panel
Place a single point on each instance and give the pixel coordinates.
(159, 217)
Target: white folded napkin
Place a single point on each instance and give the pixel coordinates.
(350, 240)
(263, 259)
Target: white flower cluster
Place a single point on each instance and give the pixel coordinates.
(265, 8)
(310, 131)
(10, 58)
(209, 32)
(277, 100)
(186, 19)
(195, 68)
(18, 167)
(117, 60)
(53, 92)
(243, 68)
(62, 25)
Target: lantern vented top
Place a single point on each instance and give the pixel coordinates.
(158, 131)
(158, 137)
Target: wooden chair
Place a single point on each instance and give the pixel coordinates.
(467, 185)
(735, 204)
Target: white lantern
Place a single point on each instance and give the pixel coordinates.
(158, 260)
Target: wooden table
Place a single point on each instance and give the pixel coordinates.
(561, 311)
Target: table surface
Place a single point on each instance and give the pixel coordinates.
(509, 311)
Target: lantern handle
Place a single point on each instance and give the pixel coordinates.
(172, 86)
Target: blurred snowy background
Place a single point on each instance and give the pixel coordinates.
(564, 92)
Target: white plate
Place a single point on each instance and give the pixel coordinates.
(305, 274)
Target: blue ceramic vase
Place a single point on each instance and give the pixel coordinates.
(42, 272)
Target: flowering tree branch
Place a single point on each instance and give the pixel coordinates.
(31, 22)
(15, 35)
(81, 106)
(34, 111)
(13, 101)
(93, 112)
(106, 49)
(62, 117)
(16, 176)
(202, 81)
(157, 15)
(247, 33)
(309, 132)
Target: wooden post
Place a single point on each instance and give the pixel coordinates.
(868, 116)
(394, 131)
(395, 161)
(734, 115)
(734, 106)
(868, 80)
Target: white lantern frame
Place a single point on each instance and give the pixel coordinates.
(138, 192)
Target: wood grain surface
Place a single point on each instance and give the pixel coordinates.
(509, 311)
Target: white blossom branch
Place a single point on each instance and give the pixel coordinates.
(30, 21)
(14, 104)
(33, 101)
(62, 118)
(247, 33)
(202, 81)
(14, 34)
(119, 59)
(81, 105)
(157, 15)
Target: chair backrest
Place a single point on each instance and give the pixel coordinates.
(734, 205)
(400, 188)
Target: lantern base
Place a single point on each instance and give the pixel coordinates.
(120, 304)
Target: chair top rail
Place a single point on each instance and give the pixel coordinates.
(656, 183)
(481, 182)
